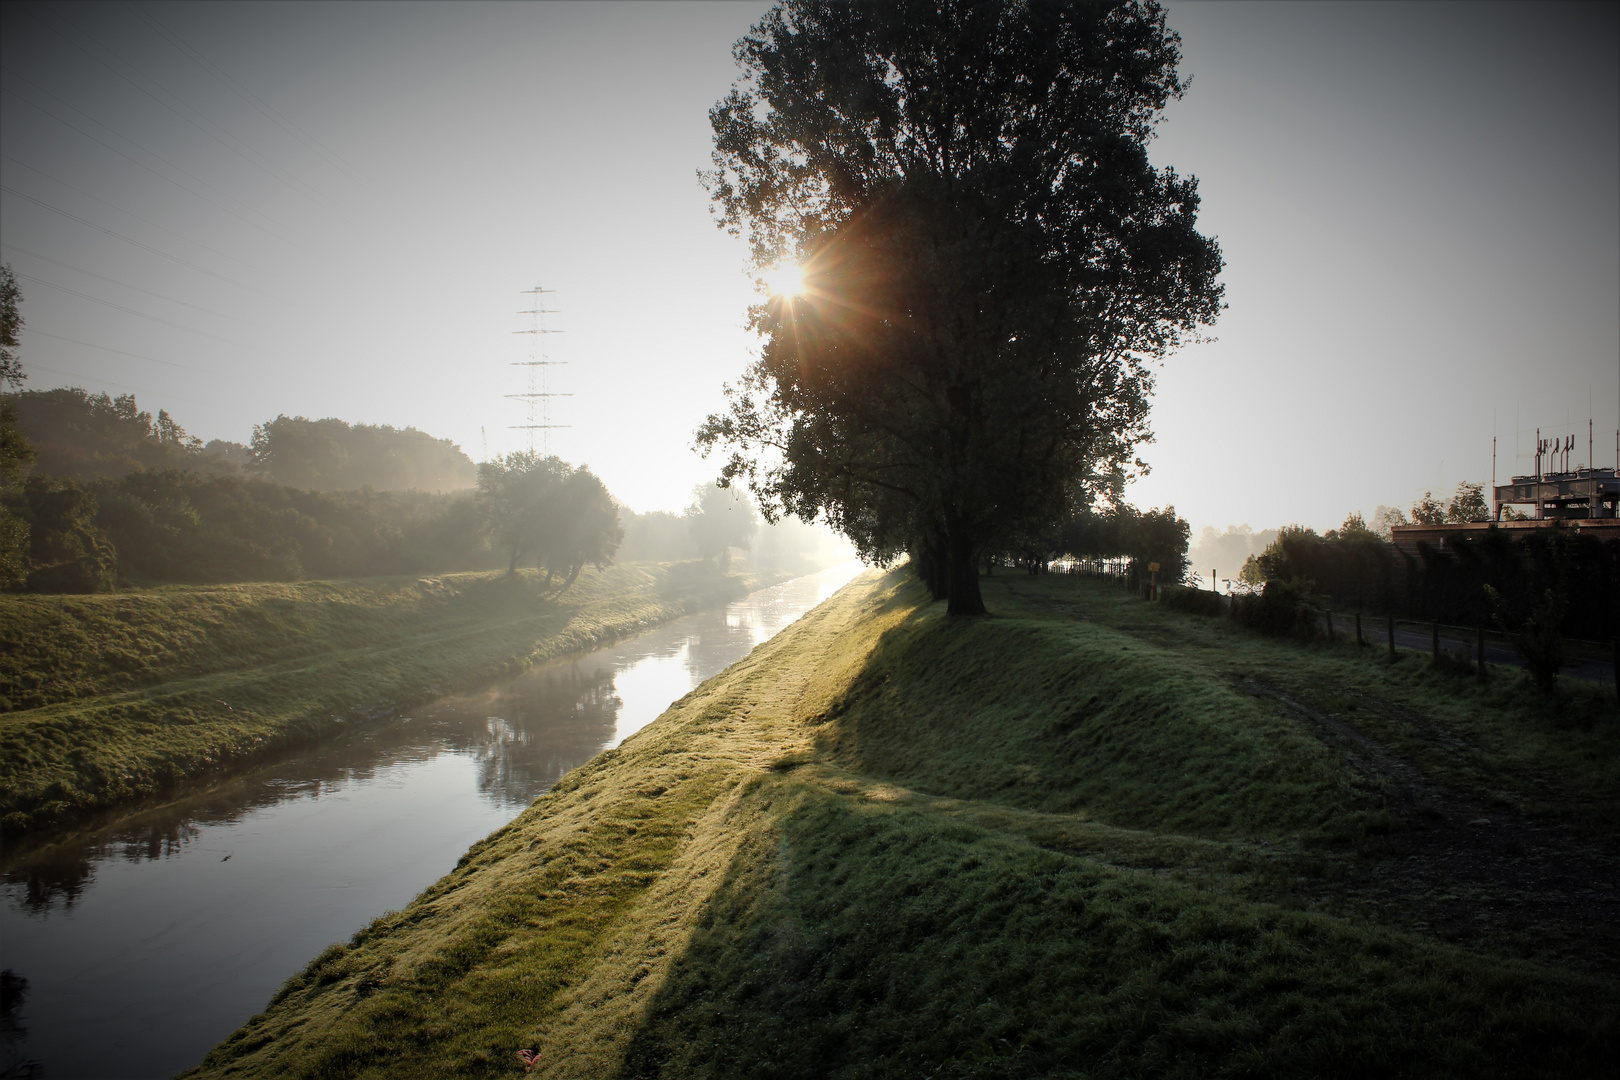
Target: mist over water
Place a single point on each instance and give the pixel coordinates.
(148, 939)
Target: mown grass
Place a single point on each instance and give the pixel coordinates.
(116, 697)
(889, 844)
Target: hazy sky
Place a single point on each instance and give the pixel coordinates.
(240, 210)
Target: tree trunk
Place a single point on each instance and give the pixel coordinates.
(929, 561)
(962, 570)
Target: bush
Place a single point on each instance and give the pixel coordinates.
(1193, 601)
(1537, 638)
(1281, 610)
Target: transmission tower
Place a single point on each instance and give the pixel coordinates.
(537, 395)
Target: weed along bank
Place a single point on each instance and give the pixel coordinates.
(889, 842)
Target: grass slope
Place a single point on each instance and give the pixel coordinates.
(891, 844)
(114, 697)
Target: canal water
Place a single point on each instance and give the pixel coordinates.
(132, 948)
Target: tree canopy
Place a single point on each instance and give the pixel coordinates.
(991, 264)
(333, 455)
(545, 510)
(90, 436)
(719, 520)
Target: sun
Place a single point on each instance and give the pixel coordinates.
(785, 280)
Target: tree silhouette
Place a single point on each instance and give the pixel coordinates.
(990, 265)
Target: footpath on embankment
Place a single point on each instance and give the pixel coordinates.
(112, 698)
(1082, 837)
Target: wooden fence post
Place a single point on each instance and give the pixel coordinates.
(1330, 627)
(1479, 651)
(1434, 640)
(1359, 642)
(1390, 622)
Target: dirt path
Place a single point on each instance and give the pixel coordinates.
(1471, 870)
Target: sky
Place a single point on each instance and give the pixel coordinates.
(236, 211)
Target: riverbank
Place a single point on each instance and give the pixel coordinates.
(117, 697)
(1065, 840)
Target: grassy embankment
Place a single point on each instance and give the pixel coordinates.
(1080, 838)
(114, 697)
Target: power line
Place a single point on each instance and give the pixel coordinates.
(120, 352)
(244, 152)
(121, 210)
(265, 108)
(158, 157)
(126, 285)
(132, 311)
(144, 247)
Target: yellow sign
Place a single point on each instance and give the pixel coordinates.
(1153, 566)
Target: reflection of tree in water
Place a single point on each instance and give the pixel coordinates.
(13, 990)
(58, 874)
(36, 886)
(539, 726)
(525, 734)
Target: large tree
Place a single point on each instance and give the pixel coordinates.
(991, 265)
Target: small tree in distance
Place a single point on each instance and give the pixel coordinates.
(543, 509)
(720, 519)
(1468, 504)
(1385, 518)
(1428, 510)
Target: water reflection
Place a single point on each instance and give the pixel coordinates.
(148, 939)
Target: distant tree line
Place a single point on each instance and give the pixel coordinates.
(114, 496)
(1139, 537)
(162, 526)
(96, 436)
(1128, 539)
(173, 526)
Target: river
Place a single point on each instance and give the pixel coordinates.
(146, 940)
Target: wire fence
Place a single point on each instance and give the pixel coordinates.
(1477, 645)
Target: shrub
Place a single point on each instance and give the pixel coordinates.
(1281, 610)
(1193, 601)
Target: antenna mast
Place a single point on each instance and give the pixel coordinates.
(537, 396)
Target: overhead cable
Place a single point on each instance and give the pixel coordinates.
(159, 157)
(127, 285)
(121, 210)
(132, 311)
(106, 348)
(265, 108)
(196, 120)
(144, 247)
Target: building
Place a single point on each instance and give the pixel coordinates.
(1407, 537)
(1579, 494)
